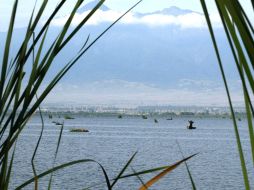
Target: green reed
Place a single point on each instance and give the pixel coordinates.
(239, 32)
(20, 98)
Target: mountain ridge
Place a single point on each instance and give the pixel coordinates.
(89, 6)
(172, 10)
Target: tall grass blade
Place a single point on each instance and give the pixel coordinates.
(135, 174)
(8, 177)
(123, 170)
(246, 17)
(22, 99)
(35, 62)
(82, 23)
(239, 49)
(243, 165)
(60, 75)
(45, 26)
(57, 148)
(246, 36)
(187, 167)
(62, 166)
(7, 49)
(240, 54)
(250, 124)
(139, 178)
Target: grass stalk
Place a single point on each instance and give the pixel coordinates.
(239, 145)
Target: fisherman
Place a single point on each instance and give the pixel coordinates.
(191, 125)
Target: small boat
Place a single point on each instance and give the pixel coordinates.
(144, 116)
(79, 131)
(120, 116)
(156, 121)
(68, 117)
(191, 125)
(57, 123)
(188, 127)
(170, 118)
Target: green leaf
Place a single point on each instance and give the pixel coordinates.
(239, 145)
(62, 166)
(123, 170)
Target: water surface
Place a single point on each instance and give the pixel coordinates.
(112, 141)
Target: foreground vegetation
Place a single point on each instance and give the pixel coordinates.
(23, 99)
(239, 32)
(19, 90)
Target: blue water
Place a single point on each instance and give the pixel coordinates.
(112, 141)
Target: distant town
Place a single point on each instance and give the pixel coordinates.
(141, 110)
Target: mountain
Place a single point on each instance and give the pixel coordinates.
(89, 6)
(173, 10)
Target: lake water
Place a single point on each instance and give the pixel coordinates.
(112, 141)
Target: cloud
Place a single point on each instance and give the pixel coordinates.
(188, 20)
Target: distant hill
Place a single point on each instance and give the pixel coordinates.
(173, 10)
(91, 5)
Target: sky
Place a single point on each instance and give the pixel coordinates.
(25, 7)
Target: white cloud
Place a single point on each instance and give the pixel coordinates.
(190, 20)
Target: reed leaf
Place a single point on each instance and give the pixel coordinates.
(239, 49)
(8, 176)
(250, 124)
(62, 166)
(139, 178)
(240, 52)
(7, 48)
(187, 167)
(246, 36)
(57, 148)
(163, 173)
(239, 145)
(143, 172)
(22, 98)
(123, 170)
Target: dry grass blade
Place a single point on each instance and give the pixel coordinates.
(163, 173)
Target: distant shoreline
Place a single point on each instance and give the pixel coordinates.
(140, 114)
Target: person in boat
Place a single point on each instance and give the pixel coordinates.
(191, 125)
